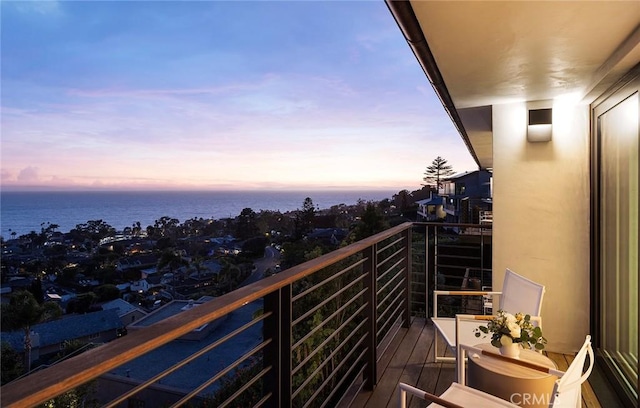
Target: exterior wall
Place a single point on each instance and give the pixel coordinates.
(132, 317)
(541, 215)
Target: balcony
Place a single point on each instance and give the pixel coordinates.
(339, 330)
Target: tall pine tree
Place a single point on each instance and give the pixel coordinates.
(437, 172)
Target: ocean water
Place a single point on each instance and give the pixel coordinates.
(24, 212)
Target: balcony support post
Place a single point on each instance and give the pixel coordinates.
(427, 314)
(278, 353)
(407, 274)
(431, 277)
(371, 357)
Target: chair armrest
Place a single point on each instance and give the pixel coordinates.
(404, 388)
(537, 319)
(473, 317)
(437, 293)
(464, 292)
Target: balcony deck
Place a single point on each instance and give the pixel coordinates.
(406, 361)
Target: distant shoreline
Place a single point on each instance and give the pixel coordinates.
(24, 212)
(197, 190)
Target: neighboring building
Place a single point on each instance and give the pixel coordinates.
(137, 261)
(466, 196)
(431, 209)
(127, 312)
(48, 338)
(124, 287)
(140, 286)
(173, 308)
(329, 236)
(173, 387)
(18, 283)
(14, 284)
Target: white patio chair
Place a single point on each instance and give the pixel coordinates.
(566, 391)
(518, 295)
(487, 301)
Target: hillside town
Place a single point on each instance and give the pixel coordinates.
(91, 284)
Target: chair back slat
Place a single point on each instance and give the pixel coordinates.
(567, 390)
(520, 294)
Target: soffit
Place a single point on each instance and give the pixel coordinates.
(490, 52)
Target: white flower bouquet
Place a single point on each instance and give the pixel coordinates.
(506, 328)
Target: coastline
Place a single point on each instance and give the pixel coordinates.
(23, 212)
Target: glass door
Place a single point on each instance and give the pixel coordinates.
(617, 134)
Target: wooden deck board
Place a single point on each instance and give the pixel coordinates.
(409, 360)
(386, 387)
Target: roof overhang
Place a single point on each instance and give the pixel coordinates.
(477, 54)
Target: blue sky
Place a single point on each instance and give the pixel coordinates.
(215, 95)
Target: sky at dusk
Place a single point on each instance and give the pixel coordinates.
(215, 95)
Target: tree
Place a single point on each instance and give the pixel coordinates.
(305, 218)
(197, 262)
(136, 228)
(107, 292)
(246, 226)
(11, 366)
(370, 224)
(402, 200)
(82, 303)
(436, 172)
(22, 312)
(172, 259)
(254, 247)
(36, 289)
(91, 232)
(165, 227)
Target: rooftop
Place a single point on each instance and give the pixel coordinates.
(71, 327)
(201, 369)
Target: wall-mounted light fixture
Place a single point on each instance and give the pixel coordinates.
(539, 128)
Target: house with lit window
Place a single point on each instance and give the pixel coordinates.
(467, 196)
(431, 209)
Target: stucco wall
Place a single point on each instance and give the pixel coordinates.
(541, 215)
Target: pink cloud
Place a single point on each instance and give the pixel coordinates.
(28, 175)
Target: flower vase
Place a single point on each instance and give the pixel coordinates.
(511, 350)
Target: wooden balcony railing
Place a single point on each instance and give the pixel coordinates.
(311, 335)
